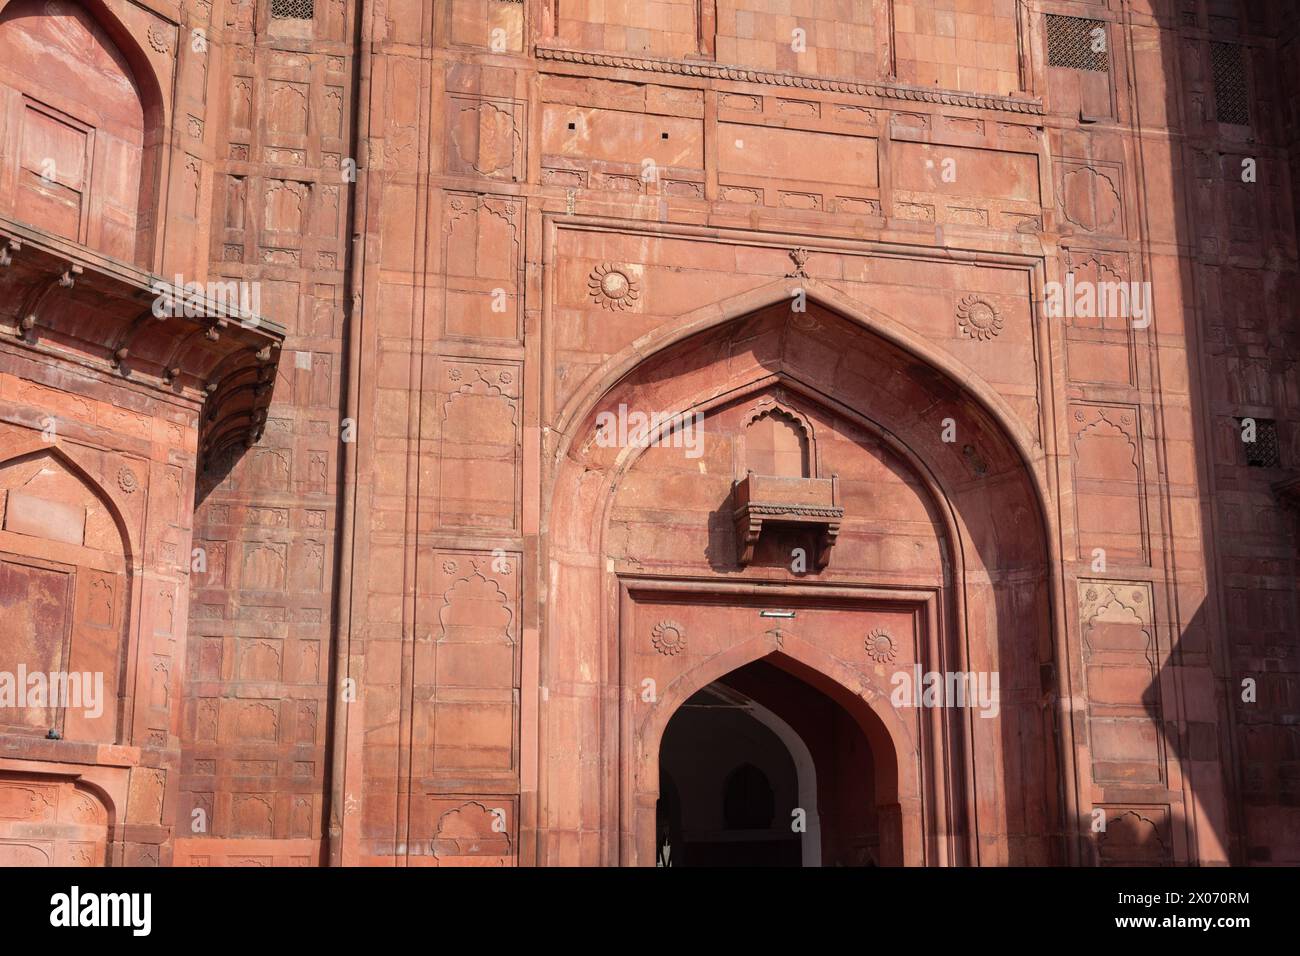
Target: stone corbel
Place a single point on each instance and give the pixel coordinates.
(122, 348)
(748, 528)
(36, 300)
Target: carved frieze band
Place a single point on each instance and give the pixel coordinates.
(714, 71)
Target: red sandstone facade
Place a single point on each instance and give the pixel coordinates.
(376, 574)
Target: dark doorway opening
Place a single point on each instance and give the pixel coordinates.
(727, 787)
(762, 769)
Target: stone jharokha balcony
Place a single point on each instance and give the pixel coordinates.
(773, 501)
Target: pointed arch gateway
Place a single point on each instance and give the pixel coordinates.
(943, 563)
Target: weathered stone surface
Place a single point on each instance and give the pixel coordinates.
(613, 363)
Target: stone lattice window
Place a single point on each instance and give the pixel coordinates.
(1265, 451)
(1230, 100)
(292, 9)
(1077, 43)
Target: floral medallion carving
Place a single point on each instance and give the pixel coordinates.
(881, 647)
(1090, 199)
(669, 638)
(126, 480)
(158, 38)
(613, 287)
(978, 319)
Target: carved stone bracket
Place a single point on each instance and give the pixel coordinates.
(765, 501)
(38, 293)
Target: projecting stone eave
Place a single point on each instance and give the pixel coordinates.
(97, 312)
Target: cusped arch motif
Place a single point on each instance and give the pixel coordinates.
(470, 601)
(470, 669)
(767, 450)
(1101, 446)
(472, 830)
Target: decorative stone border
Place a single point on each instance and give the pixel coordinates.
(1009, 104)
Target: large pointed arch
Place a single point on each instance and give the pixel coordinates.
(148, 81)
(97, 610)
(617, 366)
(1025, 462)
(897, 751)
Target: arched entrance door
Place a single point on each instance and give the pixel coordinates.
(727, 788)
(761, 769)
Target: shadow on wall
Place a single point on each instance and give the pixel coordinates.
(1164, 666)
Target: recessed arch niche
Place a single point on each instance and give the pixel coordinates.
(66, 586)
(82, 116)
(954, 531)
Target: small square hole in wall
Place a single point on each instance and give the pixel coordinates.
(663, 135)
(1265, 451)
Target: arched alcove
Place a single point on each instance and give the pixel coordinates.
(65, 586)
(777, 444)
(82, 119)
(710, 745)
(52, 820)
